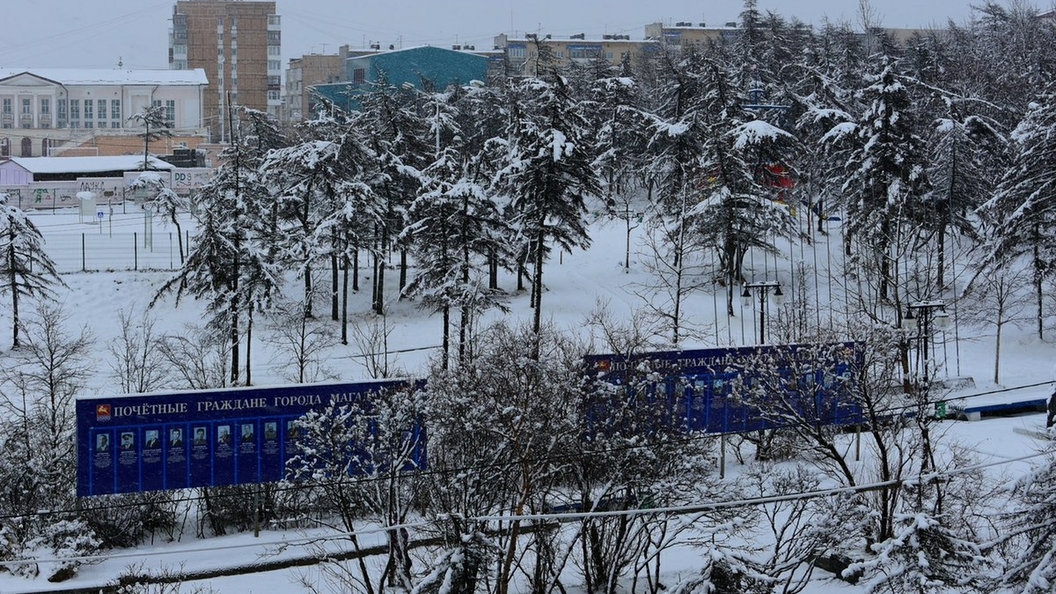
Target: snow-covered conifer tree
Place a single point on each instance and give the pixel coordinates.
(231, 266)
(547, 173)
(886, 183)
(25, 269)
(156, 124)
(164, 200)
(1022, 214)
(398, 135)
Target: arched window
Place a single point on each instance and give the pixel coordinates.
(5, 147)
(27, 147)
(44, 147)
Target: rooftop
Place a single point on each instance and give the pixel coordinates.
(104, 76)
(40, 165)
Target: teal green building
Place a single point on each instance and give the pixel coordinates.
(424, 68)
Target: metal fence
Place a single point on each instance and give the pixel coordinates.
(138, 250)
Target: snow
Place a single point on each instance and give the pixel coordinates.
(51, 165)
(755, 132)
(577, 284)
(103, 76)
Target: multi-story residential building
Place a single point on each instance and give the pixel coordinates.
(48, 111)
(682, 35)
(687, 34)
(522, 54)
(239, 45)
(305, 72)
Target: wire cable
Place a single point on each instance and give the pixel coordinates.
(693, 508)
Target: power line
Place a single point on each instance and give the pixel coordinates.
(75, 36)
(293, 486)
(693, 508)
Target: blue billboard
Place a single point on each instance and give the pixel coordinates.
(137, 443)
(724, 390)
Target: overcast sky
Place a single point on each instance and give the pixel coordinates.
(98, 33)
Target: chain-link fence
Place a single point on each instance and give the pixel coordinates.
(141, 250)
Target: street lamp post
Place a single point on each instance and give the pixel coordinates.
(921, 316)
(763, 289)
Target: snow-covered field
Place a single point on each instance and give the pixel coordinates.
(577, 283)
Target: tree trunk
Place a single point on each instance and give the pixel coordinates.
(1038, 289)
(403, 270)
(179, 237)
(233, 313)
(537, 319)
(493, 269)
(344, 301)
(335, 301)
(997, 351)
(355, 270)
(13, 284)
(249, 344)
(308, 292)
(447, 337)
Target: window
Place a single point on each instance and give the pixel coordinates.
(88, 110)
(179, 64)
(115, 123)
(274, 65)
(584, 52)
(100, 109)
(45, 107)
(88, 124)
(515, 51)
(7, 106)
(170, 111)
(75, 110)
(27, 107)
(274, 50)
(115, 109)
(359, 76)
(274, 38)
(61, 105)
(273, 20)
(273, 96)
(274, 80)
(179, 50)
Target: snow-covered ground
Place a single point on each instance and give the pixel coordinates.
(577, 284)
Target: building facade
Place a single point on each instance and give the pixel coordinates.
(239, 46)
(414, 67)
(522, 53)
(305, 72)
(47, 111)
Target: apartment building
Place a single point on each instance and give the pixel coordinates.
(522, 53)
(305, 72)
(238, 43)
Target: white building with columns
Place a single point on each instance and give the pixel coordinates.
(44, 111)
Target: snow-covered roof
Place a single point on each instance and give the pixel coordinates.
(104, 76)
(41, 165)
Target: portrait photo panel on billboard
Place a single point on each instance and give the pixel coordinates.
(138, 443)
